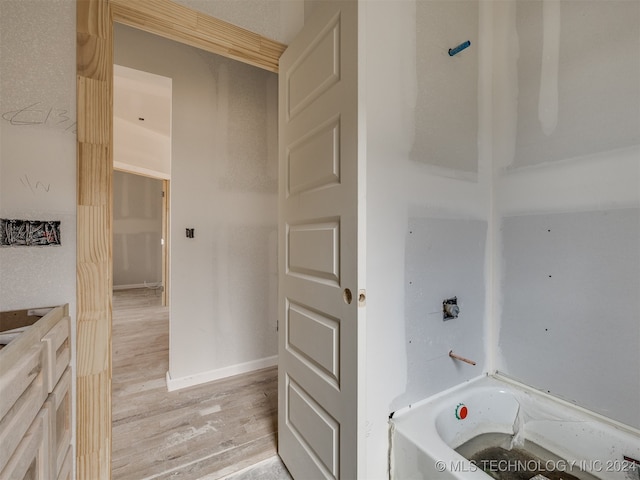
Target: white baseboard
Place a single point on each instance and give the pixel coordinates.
(127, 287)
(148, 285)
(211, 375)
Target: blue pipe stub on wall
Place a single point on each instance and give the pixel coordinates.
(455, 50)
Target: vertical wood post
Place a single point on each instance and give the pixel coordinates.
(94, 55)
(94, 270)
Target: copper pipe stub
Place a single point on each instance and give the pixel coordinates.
(462, 359)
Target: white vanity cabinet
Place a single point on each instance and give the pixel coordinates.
(35, 398)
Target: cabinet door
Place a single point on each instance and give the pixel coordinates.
(320, 209)
(31, 460)
(24, 390)
(58, 351)
(59, 406)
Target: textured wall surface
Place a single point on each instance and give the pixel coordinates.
(38, 152)
(275, 19)
(37, 148)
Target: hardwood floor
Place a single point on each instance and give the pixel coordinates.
(209, 431)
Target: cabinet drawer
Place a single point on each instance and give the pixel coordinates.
(59, 406)
(66, 470)
(23, 393)
(58, 351)
(31, 459)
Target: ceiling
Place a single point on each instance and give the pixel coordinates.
(142, 99)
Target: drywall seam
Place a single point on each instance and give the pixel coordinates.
(548, 99)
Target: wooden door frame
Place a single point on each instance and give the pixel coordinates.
(94, 270)
(165, 242)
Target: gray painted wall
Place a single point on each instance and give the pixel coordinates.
(224, 185)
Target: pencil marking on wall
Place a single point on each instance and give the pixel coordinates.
(29, 233)
(39, 113)
(28, 183)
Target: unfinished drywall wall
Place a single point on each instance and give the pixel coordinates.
(576, 79)
(570, 312)
(224, 186)
(444, 259)
(137, 231)
(427, 222)
(446, 107)
(567, 198)
(535, 167)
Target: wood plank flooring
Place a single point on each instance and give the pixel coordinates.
(209, 431)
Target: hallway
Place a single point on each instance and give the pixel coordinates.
(209, 431)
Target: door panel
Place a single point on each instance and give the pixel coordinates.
(314, 338)
(314, 251)
(316, 69)
(316, 430)
(319, 247)
(314, 161)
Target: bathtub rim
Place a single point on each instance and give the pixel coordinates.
(567, 403)
(504, 379)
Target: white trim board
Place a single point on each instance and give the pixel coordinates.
(145, 172)
(150, 286)
(220, 373)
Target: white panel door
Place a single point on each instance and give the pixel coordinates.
(320, 307)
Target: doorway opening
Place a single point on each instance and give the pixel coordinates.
(139, 234)
(223, 309)
(224, 205)
(95, 20)
(142, 105)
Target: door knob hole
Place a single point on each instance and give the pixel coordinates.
(348, 297)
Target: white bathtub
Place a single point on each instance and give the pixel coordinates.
(424, 436)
